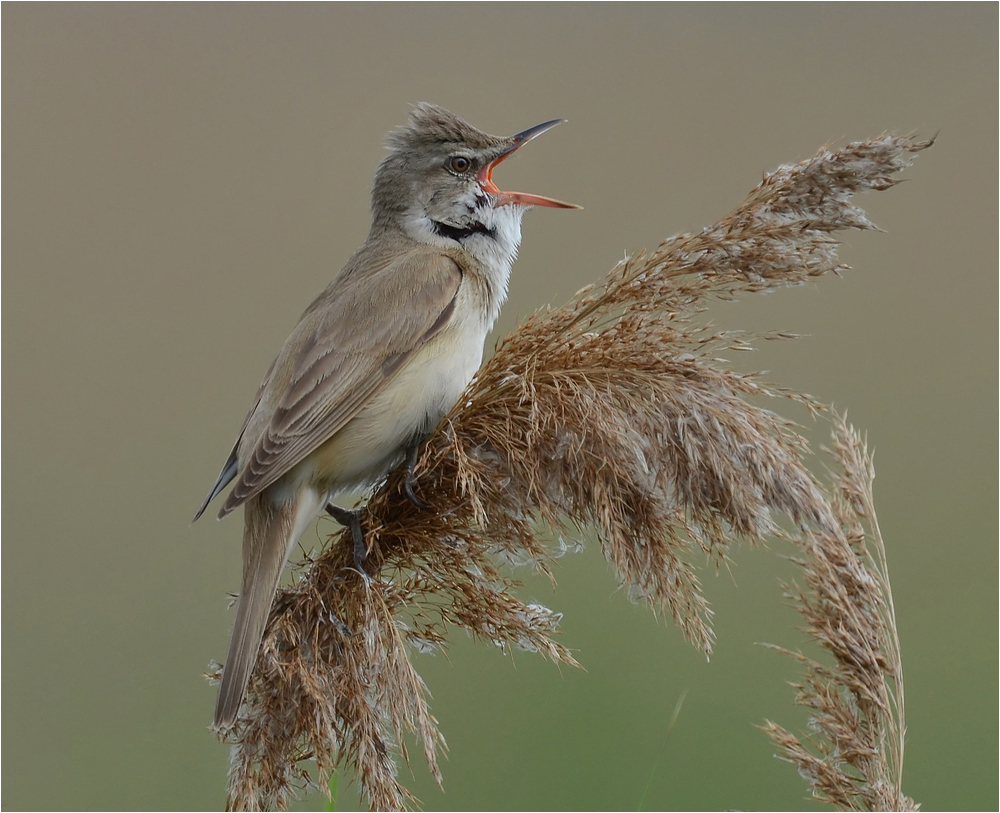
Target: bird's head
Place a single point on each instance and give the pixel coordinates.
(436, 181)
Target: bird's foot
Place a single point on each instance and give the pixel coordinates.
(411, 461)
(352, 519)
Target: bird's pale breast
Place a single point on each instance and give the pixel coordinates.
(413, 402)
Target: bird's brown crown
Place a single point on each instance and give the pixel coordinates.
(430, 124)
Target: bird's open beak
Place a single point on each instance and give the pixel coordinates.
(520, 198)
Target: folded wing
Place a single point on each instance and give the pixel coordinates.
(344, 351)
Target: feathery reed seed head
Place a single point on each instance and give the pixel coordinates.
(854, 756)
(610, 413)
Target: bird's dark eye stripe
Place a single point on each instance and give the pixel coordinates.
(459, 163)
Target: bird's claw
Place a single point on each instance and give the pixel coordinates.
(411, 480)
(352, 519)
(408, 488)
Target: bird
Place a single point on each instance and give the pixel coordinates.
(377, 359)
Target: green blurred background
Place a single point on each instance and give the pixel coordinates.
(181, 180)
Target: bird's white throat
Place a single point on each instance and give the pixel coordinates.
(490, 234)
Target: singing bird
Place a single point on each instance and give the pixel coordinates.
(377, 359)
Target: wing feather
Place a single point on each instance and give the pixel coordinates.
(231, 467)
(343, 352)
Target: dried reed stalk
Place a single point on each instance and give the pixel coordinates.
(610, 414)
(858, 727)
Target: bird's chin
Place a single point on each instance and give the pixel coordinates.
(503, 221)
(493, 215)
(498, 250)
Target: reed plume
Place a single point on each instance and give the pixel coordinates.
(609, 415)
(858, 725)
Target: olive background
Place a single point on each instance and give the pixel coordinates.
(181, 180)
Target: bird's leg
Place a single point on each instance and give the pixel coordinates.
(352, 520)
(411, 461)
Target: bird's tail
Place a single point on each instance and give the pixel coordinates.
(270, 531)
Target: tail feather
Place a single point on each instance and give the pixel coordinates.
(270, 532)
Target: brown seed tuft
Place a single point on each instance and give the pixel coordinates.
(610, 413)
(854, 756)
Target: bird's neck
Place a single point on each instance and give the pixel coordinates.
(488, 237)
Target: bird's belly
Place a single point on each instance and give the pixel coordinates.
(420, 394)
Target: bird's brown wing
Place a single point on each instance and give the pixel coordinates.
(231, 466)
(342, 353)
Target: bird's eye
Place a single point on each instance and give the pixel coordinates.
(459, 163)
